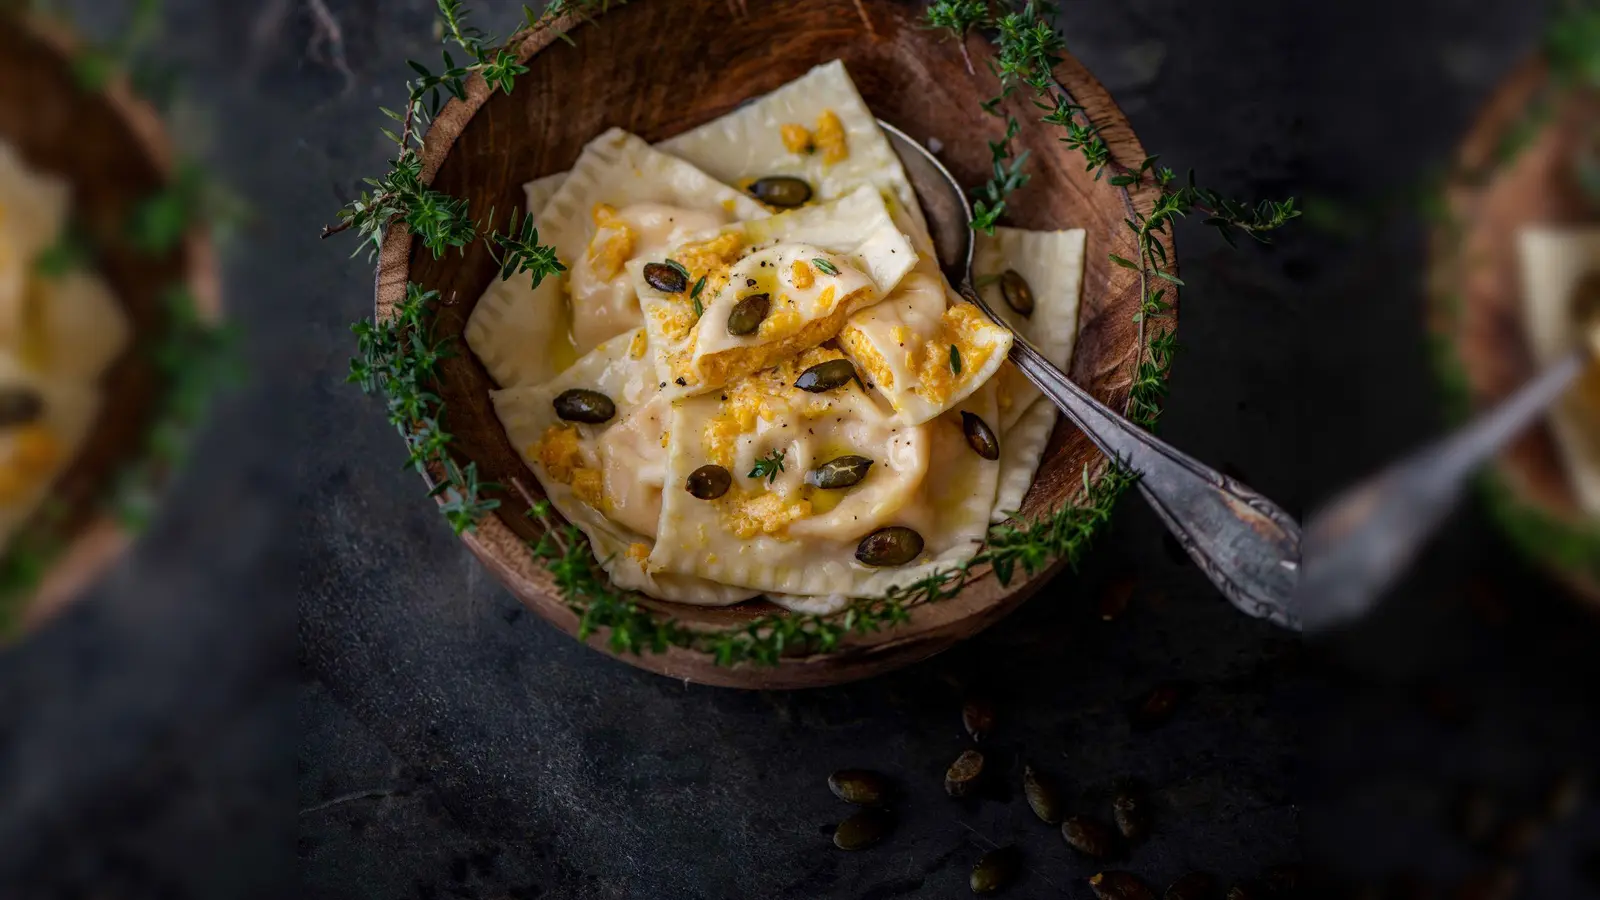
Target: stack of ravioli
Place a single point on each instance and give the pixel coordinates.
(60, 330)
(753, 379)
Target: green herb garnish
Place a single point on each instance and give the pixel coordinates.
(827, 267)
(768, 467)
(678, 267)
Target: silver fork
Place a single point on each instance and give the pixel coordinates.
(1246, 545)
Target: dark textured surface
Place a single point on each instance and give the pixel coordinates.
(451, 746)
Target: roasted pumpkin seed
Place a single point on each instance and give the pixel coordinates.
(665, 278)
(19, 406)
(895, 545)
(979, 436)
(1193, 886)
(1116, 885)
(977, 716)
(748, 314)
(1088, 836)
(782, 191)
(839, 473)
(1016, 291)
(962, 776)
(1042, 796)
(996, 870)
(579, 405)
(859, 786)
(863, 829)
(1155, 708)
(1132, 818)
(825, 376)
(708, 482)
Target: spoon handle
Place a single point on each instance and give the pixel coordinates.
(1359, 544)
(1246, 545)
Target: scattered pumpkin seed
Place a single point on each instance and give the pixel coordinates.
(708, 482)
(667, 277)
(895, 545)
(955, 360)
(1017, 293)
(839, 473)
(863, 829)
(1156, 707)
(1042, 796)
(825, 376)
(1132, 818)
(963, 774)
(579, 405)
(979, 436)
(19, 406)
(862, 787)
(1193, 886)
(977, 716)
(825, 267)
(748, 314)
(1116, 885)
(782, 191)
(1088, 836)
(995, 870)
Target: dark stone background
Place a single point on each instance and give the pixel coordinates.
(450, 745)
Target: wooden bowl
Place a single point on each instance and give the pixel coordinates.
(1513, 170)
(485, 147)
(112, 148)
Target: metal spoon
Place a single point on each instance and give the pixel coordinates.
(1360, 543)
(1248, 547)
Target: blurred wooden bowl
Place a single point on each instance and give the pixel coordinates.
(486, 147)
(112, 148)
(1513, 170)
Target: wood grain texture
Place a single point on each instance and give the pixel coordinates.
(1476, 279)
(619, 72)
(112, 148)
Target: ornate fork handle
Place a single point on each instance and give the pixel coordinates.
(1244, 543)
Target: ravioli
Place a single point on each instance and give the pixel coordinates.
(73, 329)
(780, 530)
(924, 348)
(1555, 261)
(34, 453)
(607, 478)
(33, 214)
(621, 198)
(1051, 262)
(843, 147)
(817, 265)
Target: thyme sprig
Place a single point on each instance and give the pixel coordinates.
(399, 359)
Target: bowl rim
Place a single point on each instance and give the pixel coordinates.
(857, 655)
(104, 537)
